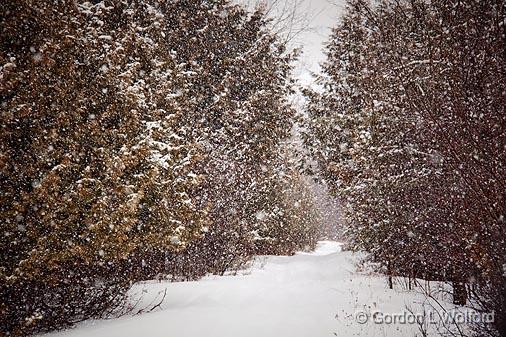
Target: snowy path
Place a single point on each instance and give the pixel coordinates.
(306, 295)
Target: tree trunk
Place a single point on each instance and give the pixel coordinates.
(459, 293)
(390, 280)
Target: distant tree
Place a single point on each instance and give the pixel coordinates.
(289, 220)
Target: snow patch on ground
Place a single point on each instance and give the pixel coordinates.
(309, 294)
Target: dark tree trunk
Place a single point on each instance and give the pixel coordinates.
(459, 293)
(390, 280)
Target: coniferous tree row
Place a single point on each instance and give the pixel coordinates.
(409, 132)
(137, 138)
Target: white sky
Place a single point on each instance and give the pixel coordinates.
(318, 17)
(324, 15)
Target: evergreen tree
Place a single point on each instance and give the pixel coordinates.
(138, 137)
(407, 132)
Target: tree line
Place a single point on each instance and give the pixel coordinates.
(139, 138)
(408, 130)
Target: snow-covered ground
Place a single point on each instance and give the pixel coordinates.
(308, 295)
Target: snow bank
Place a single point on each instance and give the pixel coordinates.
(307, 295)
